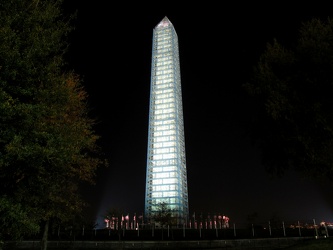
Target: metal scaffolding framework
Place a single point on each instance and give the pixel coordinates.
(166, 175)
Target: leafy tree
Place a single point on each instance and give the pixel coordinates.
(15, 220)
(163, 214)
(48, 147)
(292, 88)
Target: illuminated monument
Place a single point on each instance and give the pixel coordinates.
(166, 177)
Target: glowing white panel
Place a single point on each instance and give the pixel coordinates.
(166, 140)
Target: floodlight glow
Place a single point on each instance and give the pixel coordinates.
(166, 177)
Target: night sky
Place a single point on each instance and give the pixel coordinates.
(219, 44)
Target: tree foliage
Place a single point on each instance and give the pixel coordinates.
(163, 215)
(48, 147)
(11, 213)
(292, 88)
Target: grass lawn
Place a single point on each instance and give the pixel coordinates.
(314, 244)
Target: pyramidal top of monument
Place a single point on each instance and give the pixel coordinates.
(164, 23)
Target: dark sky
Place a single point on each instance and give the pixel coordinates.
(219, 44)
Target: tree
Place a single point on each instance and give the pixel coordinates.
(48, 147)
(163, 214)
(11, 214)
(292, 89)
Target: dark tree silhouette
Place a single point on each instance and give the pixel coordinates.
(48, 147)
(292, 90)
